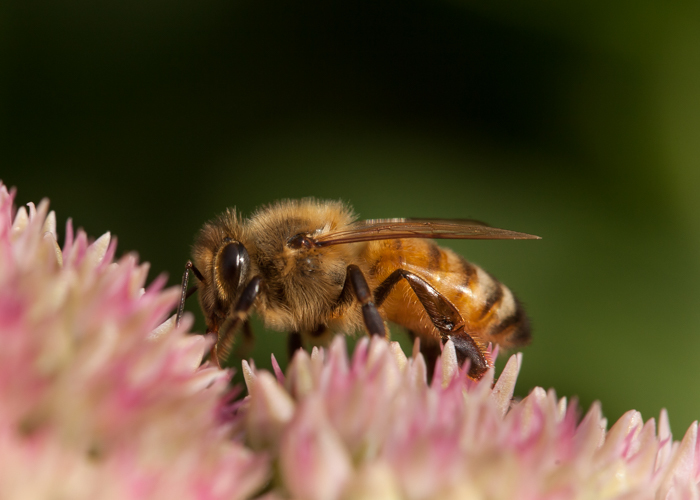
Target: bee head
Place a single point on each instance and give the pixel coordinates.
(231, 266)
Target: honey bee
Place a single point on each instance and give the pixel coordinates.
(308, 267)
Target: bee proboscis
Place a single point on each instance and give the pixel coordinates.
(308, 267)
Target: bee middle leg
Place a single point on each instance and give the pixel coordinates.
(319, 336)
(294, 343)
(444, 315)
(358, 284)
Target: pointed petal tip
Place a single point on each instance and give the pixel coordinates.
(50, 224)
(399, 355)
(248, 375)
(505, 386)
(449, 363)
(279, 374)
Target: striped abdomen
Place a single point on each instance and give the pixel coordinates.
(490, 311)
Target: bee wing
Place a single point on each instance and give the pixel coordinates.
(387, 229)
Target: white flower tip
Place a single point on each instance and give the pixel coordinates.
(205, 376)
(248, 376)
(299, 376)
(21, 220)
(681, 465)
(419, 370)
(51, 238)
(416, 347)
(538, 395)
(450, 366)
(98, 249)
(561, 408)
(531, 406)
(165, 327)
(278, 403)
(50, 224)
(399, 356)
(664, 425)
(43, 208)
(590, 434)
(502, 392)
(625, 430)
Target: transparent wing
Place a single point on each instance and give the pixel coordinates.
(387, 229)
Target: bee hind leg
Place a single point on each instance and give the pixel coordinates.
(444, 316)
(430, 349)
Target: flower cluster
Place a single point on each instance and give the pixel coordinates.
(102, 398)
(371, 427)
(98, 397)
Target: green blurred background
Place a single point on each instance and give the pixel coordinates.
(576, 121)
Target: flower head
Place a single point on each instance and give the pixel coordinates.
(99, 397)
(372, 427)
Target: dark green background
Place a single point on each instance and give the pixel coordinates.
(577, 121)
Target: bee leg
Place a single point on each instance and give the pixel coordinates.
(373, 320)
(444, 316)
(246, 346)
(319, 336)
(294, 343)
(187, 293)
(239, 314)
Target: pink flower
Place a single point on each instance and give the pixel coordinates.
(98, 397)
(372, 427)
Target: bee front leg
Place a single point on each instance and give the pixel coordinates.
(373, 320)
(237, 317)
(187, 292)
(444, 316)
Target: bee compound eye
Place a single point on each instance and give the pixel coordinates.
(233, 263)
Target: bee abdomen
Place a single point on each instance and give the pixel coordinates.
(498, 316)
(489, 309)
(509, 326)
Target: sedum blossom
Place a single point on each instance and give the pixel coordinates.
(370, 426)
(98, 397)
(102, 398)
